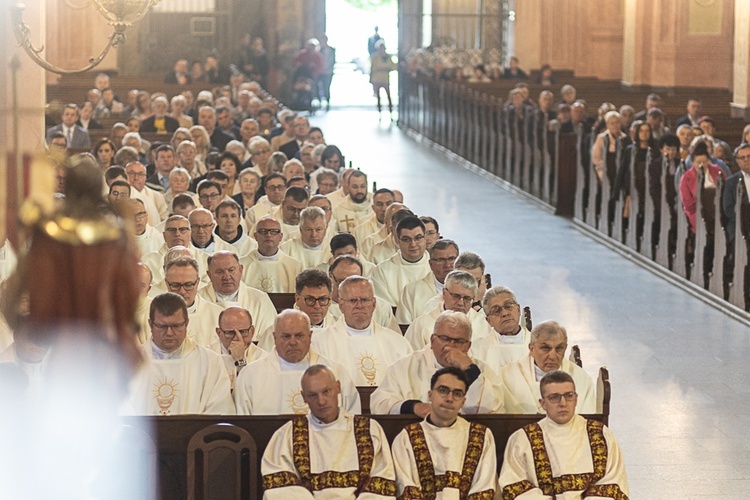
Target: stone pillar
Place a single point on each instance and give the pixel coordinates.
(740, 106)
(31, 99)
(677, 44)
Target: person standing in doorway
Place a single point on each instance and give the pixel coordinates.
(375, 38)
(328, 54)
(381, 65)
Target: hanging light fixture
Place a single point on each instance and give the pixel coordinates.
(120, 14)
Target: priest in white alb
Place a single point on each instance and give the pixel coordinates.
(270, 385)
(381, 200)
(410, 264)
(176, 233)
(364, 348)
(148, 239)
(235, 333)
(355, 208)
(227, 289)
(342, 192)
(509, 338)
(181, 277)
(307, 246)
(415, 295)
(288, 213)
(564, 455)
(547, 347)
(230, 230)
(406, 385)
(346, 244)
(179, 376)
(327, 453)
(378, 249)
(444, 456)
(274, 185)
(458, 295)
(202, 234)
(267, 268)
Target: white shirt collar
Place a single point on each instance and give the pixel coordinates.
(227, 298)
(270, 257)
(359, 333)
(159, 353)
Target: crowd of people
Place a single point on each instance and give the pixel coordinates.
(253, 201)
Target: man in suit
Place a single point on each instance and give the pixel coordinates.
(180, 75)
(693, 115)
(300, 128)
(729, 200)
(160, 122)
(207, 118)
(76, 136)
(165, 162)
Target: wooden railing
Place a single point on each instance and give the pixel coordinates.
(528, 154)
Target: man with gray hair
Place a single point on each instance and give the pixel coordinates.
(355, 341)
(176, 233)
(308, 246)
(509, 337)
(415, 295)
(549, 341)
(406, 385)
(457, 295)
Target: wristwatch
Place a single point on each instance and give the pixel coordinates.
(240, 362)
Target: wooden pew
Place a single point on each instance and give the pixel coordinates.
(282, 301)
(173, 436)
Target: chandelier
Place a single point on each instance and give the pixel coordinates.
(120, 14)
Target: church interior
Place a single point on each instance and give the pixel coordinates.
(594, 157)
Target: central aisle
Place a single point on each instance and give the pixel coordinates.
(679, 369)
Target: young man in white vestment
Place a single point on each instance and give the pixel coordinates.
(313, 297)
(383, 245)
(355, 208)
(444, 456)
(346, 244)
(509, 339)
(179, 377)
(406, 385)
(410, 264)
(381, 200)
(362, 346)
(564, 456)
(307, 246)
(547, 347)
(274, 185)
(443, 255)
(227, 289)
(267, 268)
(230, 230)
(181, 277)
(235, 333)
(327, 453)
(344, 266)
(457, 295)
(270, 385)
(288, 214)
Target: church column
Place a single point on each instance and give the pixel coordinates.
(31, 98)
(674, 44)
(740, 105)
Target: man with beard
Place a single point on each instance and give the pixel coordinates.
(355, 208)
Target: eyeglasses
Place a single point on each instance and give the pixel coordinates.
(177, 328)
(497, 310)
(444, 391)
(140, 215)
(458, 297)
(276, 188)
(136, 174)
(264, 232)
(175, 287)
(209, 196)
(230, 334)
(445, 260)
(174, 230)
(323, 301)
(358, 302)
(556, 398)
(205, 227)
(450, 340)
(407, 240)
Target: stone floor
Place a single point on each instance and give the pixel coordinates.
(679, 368)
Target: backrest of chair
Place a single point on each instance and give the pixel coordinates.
(603, 394)
(282, 301)
(364, 397)
(575, 355)
(222, 460)
(527, 318)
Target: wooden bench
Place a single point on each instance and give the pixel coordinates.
(190, 448)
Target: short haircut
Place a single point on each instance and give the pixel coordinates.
(296, 178)
(183, 200)
(669, 140)
(429, 220)
(399, 215)
(167, 304)
(319, 197)
(272, 176)
(125, 155)
(206, 184)
(312, 278)
(162, 148)
(182, 262)
(247, 313)
(114, 172)
(345, 259)
(222, 252)
(228, 204)
(555, 377)
(357, 173)
(410, 222)
(353, 280)
(469, 260)
(119, 183)
(653, 97)
(494, 292)
(343, 240)
(296, 193)
(384, 191)
(548, 329)
(442, 245)
(217, 174)
(461, 278)
(311, 214)
(327, 173)
(450, 370)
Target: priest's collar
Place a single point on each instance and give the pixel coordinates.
(236, 238)
(194, 306)
(159, 353)
(204, 247)
(516, 338)
(439, 286)
(538, 372)
(299, 366)
(429, 421)
(227, 298)
(359, 333)
(308, 247)
(319, 422)
(268, 257)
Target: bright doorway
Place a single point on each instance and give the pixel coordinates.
(349, 24)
